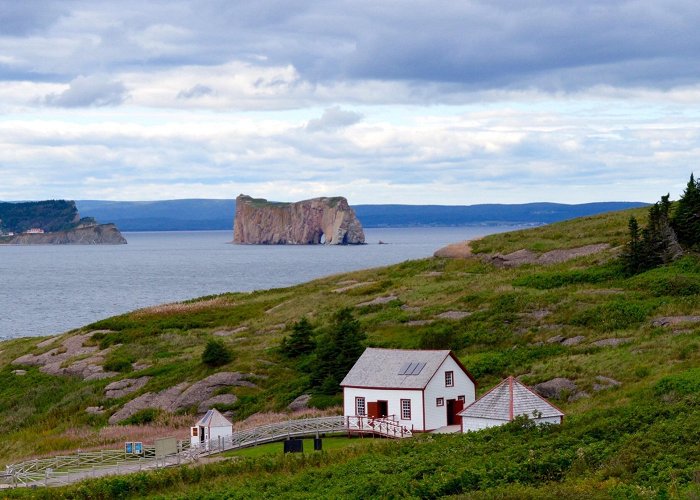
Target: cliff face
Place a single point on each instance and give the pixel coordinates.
(321, 220)
(99, 234)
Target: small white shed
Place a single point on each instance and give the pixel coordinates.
(506, 401)
(420, 390)
(210, 427)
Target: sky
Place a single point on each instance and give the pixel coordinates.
(382, 101)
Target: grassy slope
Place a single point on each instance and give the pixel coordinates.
(637, 439)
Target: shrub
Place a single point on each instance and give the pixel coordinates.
(216, 353)
(121, 365)
(614, 315)
(145, 416)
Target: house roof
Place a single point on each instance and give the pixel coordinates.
(213, 418)
(396, 368)
(509, 399)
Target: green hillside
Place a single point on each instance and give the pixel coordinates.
(631, 346)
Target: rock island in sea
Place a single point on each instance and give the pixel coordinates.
(53, 222)
(328, 221)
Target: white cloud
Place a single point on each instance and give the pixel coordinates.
(85, 91)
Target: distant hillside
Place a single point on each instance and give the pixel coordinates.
(202, 214)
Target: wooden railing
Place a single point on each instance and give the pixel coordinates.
(385, 426)
(67, 469)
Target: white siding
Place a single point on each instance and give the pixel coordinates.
(393, 397)
(475, 424)
(436, 416)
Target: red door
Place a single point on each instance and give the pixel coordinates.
(373, 410)
(454, 406)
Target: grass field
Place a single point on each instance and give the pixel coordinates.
(638, 438)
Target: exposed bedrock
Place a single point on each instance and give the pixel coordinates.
(98, 234)
(330, 221)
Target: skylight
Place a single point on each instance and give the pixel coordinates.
(413, 368)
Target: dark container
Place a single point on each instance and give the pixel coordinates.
(318, 444)
(293, 446)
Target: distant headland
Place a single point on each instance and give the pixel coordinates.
(328, 221)
(53, 222)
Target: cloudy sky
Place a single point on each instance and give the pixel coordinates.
(449, 102)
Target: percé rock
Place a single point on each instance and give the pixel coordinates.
(98, 234)
(320, 220)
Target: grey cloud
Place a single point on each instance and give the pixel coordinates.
(448, 47)
(333, 118)
(198, 90)
(19, 17)
(85, 91)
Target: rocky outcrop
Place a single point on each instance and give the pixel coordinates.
(184, 395)
(72, 357)
(320, 220)
(555, 388)
(98, 234)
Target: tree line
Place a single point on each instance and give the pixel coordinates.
(671, 229)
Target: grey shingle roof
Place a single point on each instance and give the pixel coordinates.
(381, 368)
(213, 418)
(496, 403)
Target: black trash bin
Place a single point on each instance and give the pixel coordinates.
(318, 444)
(293, 446)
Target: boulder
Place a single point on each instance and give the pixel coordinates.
(573, 341)
(555, 388)
(220, 399)
(610, 342)
(605, 383)
(300, 403)
(378, 301)
(319, 220)
(124, 387)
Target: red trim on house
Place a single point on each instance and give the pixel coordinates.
(511, 380)
(484, 395)
(510, 405)
(459, 363)
(384, 388)
(423, 391)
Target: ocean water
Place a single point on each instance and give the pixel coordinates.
(51, 289)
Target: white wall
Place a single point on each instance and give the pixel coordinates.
(475, 424)
(436, 416)
(393, 397)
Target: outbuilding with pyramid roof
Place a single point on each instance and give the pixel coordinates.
(506, 401)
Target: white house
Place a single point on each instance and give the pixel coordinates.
(209, 428)
(506, 401)
(421, 390)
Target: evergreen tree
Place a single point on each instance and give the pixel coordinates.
(686, 218)
(300, 342)
(337, 352)
(216, 353)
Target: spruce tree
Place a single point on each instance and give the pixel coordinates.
(686, 217)
(337, 352)
(300, 342)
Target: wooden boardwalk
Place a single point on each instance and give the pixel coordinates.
(67, 469)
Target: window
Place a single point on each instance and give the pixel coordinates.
(360, 408)
(405, 409)
(449, 379)
(461, 398)
(440, 402)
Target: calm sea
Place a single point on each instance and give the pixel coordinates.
(51, 289)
